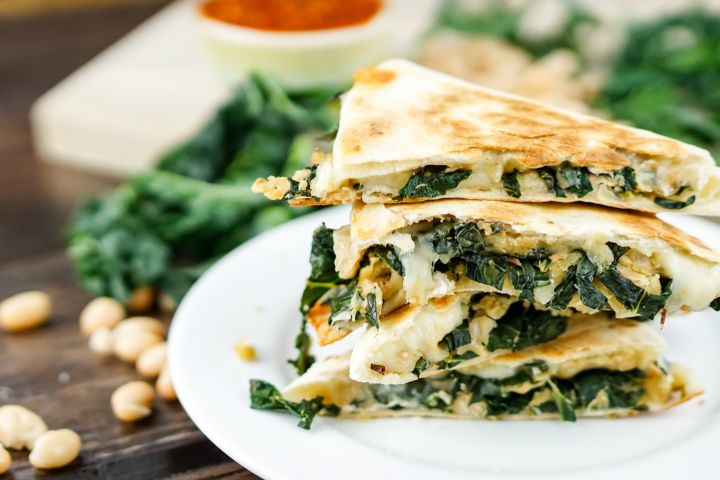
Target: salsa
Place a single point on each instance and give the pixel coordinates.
(292, 15)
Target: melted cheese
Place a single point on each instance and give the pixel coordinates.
(695, 284)
(421, 283)
(400, 341)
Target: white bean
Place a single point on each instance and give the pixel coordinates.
(55, 449)
(148, 324)
(20, 427)
(5, 460)
(132, 401)
(151, 361)
(129, 345)
(164, 386)
(101, 341)
(102, 312)
(25, 311)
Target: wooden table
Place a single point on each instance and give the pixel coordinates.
(51, 370)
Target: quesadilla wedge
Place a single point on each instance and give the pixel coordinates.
(612, 371)
(456, 332)
(408, 134)
(560, 257)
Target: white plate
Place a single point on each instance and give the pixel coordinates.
(254, 291)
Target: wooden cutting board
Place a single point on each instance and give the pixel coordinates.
(127, 106)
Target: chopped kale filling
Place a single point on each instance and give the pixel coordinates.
(420, 366)
(715, 304)
(577, 179)
(547, 175)
(388, 254)
(563, 403)
(627, 176)
(594, 389)
(589, 295)
(432, 181)
(526, 278)
(674, 204)
(623, 389)
(371, 312)
(486, 268)
(341, 301)
(634, 298)
(302, 344)
(511, 185)
(323, 276)
(295, 190)
(458, 337)
(523, 326)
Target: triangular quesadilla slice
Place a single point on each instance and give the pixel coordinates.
(408, 134)
(565, 258)
(611, 369)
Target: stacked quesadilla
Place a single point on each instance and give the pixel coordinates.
(480, 279)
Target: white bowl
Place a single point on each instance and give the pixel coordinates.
(301, 59)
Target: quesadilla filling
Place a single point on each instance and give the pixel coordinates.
(451, 333)
(433, 259)
(533, 389)
(564, 182)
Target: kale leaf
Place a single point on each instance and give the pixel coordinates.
(523, 326)
(164, 227)
(341, 299)
(526, 278)
(563, 403)
(323, 276)
(497, 403)
(623, 389)
(564, 290)
(420, 366)
(454, 360)
(487, 269)
(548, 175)
(715, 304)
(455, 239)
(578, 277)
(671, 204)
(589, 295)
(577, 179)
(371, 312)
(459, 337)
(302, 344)
(503, 20)
(388, 254)
(264, 396)
(634, 298)
(322, 256)
(627, 175)
(511, 185)
(432, 181)
(669, 87)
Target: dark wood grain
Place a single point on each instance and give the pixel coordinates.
(51, 370)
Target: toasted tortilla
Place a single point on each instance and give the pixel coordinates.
(400, 117)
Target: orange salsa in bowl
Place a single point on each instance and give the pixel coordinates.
(292, 15)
